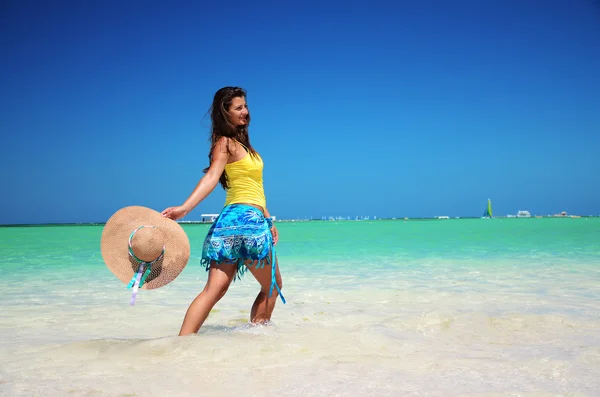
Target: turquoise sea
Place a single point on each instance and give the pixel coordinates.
(459, 307)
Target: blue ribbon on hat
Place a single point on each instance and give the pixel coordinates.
(144, 268)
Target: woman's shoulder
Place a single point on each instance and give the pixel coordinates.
(225, 145)
(230, 146)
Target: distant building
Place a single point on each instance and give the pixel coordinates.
(209, 217)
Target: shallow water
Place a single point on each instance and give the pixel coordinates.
(387, 308)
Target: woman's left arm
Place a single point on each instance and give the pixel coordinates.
(274, 230)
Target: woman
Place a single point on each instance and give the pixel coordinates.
(243, 236)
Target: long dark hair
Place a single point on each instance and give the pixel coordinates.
(221, 126)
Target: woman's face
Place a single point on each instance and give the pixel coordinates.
(238, 111)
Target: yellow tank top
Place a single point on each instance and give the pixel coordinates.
(246, 181)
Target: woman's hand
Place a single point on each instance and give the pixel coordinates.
(275, 234)
(175, 212)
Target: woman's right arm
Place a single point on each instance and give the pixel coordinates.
(207, 184)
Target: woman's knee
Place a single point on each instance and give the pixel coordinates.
(216, 290)
(266, 288)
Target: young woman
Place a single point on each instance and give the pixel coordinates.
(243, 236)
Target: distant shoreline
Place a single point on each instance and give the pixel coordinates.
(316, 220)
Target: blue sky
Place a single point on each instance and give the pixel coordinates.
(370, 108)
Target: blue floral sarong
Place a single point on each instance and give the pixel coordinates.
(239, 234)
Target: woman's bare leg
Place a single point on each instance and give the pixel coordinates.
(263, 305)
(220, 277)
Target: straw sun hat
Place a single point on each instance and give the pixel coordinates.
(143, 248)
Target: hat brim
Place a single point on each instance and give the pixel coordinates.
(115, 248)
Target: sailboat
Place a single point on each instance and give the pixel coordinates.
(487, 214)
